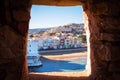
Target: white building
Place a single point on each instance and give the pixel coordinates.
(56, 42)
(48, 43)
(77, 42)
(45, 43)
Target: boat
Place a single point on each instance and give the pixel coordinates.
(33, 58)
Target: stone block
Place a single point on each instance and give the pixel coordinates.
(100, 8)
(108, 23)
(18, 4)
(21, 16)
(115, 53)
(12, 44)
(19, 47)
(7, 33)
(94, 38)
(116, 76)
(6, 53)
(23, 28)
(13, 70)
(2, 74)
(58, 2)
(8, 17)
(114, 66)
(109, 37)
(106, 52)
(114, 10)
(104, 7)
(101, 52)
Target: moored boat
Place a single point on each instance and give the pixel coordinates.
(33, 57)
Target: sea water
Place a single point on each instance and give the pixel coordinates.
(70, 65)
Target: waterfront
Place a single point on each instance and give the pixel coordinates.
(62, 61)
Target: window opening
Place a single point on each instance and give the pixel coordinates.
(59, 47)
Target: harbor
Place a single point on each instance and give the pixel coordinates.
(65, 60)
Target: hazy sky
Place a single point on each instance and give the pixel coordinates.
(51, 16)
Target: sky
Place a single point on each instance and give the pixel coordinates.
(52, 16)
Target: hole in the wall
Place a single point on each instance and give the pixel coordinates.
(48, 58)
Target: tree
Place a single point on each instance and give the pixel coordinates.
(31, 36)
(83, 38)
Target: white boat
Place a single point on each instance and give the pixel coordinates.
(33, 58)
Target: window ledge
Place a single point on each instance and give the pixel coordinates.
(83, 75)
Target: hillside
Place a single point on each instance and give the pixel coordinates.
(38, 30)
(68, 28)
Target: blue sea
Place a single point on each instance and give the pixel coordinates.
(72, 65)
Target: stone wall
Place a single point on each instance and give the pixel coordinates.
(104, 27)
(14, 22)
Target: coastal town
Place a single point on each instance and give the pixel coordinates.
(50, 46)
(62, 37)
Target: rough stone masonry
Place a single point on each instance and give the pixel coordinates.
(103, 24)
